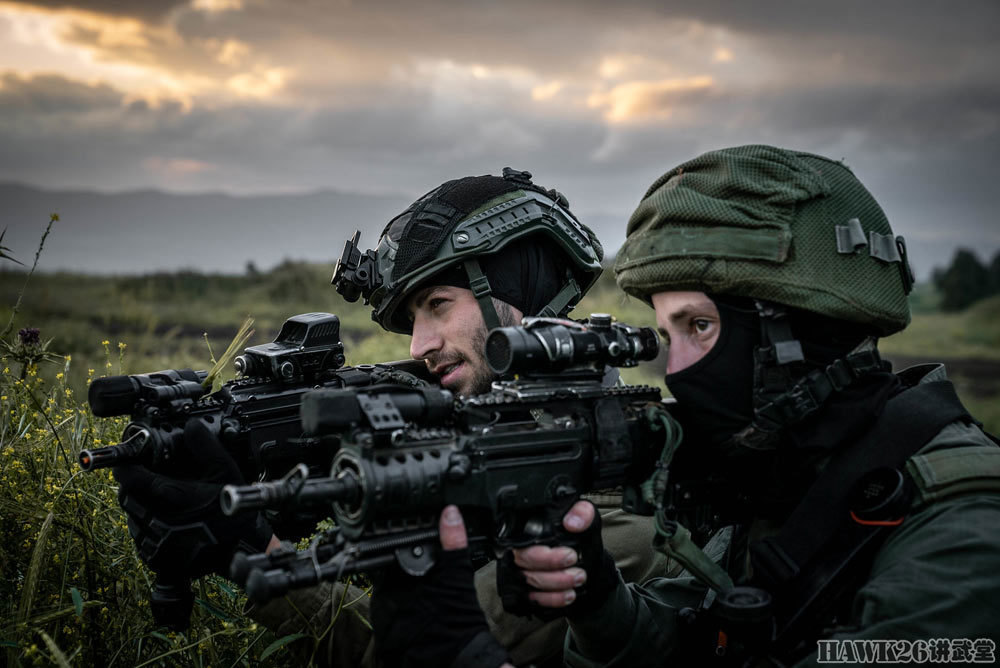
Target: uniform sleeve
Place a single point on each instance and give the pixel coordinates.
(637, 626)
(629, 540)
(937, 576)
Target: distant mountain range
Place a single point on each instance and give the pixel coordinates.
(146, 231)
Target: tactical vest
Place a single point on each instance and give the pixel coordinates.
(807, 574)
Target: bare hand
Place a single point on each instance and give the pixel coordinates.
(552, 570)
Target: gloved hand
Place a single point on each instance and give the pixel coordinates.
(434, 620)
(177, 523)
(564, 580)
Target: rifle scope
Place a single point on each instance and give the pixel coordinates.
(119, 395)
(542, 345)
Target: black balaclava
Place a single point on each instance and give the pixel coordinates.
(715, 401)
(526, 274)
(715, 394)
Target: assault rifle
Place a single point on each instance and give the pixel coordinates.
(256, 417)
(513, 459)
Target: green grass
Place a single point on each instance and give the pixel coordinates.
(973, 333)
(73, 586)
(163, 319)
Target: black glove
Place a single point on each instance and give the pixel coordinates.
(602, 578)
(434, 620)
(177, 523)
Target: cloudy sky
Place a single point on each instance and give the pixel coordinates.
(596, 98)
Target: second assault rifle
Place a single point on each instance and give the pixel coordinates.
(514, 459)
(256, 417)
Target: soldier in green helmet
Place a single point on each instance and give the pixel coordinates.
(817, 498)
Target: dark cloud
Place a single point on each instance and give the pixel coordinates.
(926, 21)
(147, 10)
(386, 97)
(53, 94)
(567, 35)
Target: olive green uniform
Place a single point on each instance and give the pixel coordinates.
(335, 616)
(936, 576)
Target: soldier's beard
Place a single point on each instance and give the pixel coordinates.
(483, 376)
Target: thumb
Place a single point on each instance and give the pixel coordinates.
(452, 529)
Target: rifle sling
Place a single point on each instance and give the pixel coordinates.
(819, 542)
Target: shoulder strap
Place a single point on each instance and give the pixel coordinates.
(816, 553)
(909, 421)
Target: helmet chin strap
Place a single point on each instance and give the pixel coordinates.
(565, 299)
(481, 290)
(782, 396)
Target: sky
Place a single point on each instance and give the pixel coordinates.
(595, 98)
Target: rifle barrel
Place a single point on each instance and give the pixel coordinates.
(263, 495)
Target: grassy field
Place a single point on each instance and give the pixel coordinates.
(73, 591)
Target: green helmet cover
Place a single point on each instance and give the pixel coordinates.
(773, 224)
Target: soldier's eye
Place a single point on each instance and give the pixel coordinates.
(702, 325)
